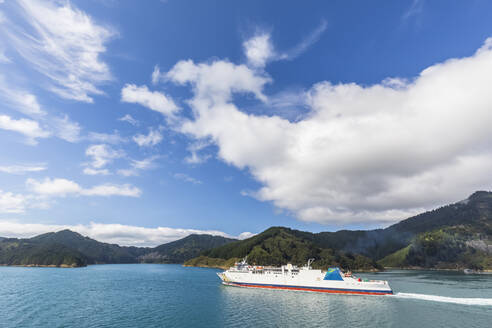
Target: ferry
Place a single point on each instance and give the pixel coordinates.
(290, 277)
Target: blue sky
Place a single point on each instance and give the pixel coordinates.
(139, 122)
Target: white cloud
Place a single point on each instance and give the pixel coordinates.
(153, 138)
(57, 187)
(3, 58)
(120, 234)
(154, 100)
(22, 169)
(307, 42)
(64, 187)
(27, 127)
(19, 99)
(415, 9)
(66, 129)
(144, 164)
(64, 44)
(113, 190)
(218, 80)
(246, 235)
(194, 149)
(111, 138)
(363, 153)
(156, 75)
(102, 155)
(27, 103)
(259, 49)
(92, 171)
(128, 172)
(138, 165)
(12, 203)
(128, 118)
(186, 178)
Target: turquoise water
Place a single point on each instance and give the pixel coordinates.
(153, 295)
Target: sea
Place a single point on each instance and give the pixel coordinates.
(166, 295)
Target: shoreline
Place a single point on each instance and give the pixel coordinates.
(61, 266)
(487, 271)
(65, 266)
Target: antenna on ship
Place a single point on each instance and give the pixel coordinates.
(310, 261)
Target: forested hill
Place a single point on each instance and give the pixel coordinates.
(451, 237)
(184, 249)
(94, 251)
(69, 249)
(279, 245)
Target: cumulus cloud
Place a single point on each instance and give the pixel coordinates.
(217, 81)
(101, 155)
(12, 203)
(66, 129)
(29, 128)
(259, 49)
(22, 169)
(153, 138)
(154, 100)
(64, 44)
(373, 153)
(63, 187)
(120, 234)
(128, 118)
(245, 235)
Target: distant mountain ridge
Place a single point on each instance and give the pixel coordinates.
(70, 249)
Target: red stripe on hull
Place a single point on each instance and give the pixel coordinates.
(309, 289)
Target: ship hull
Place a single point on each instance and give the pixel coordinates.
(328, 290)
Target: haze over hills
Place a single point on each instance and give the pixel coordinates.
(451, 237)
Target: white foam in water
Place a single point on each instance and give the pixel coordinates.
(445, 299)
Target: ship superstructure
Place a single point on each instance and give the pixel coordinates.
(304, 278)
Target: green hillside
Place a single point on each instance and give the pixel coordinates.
(277, 246)
(31, 253)
(455, 236)
(70, 249)
(94, 251)
(184, 249)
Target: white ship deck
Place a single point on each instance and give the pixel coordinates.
(293, 278)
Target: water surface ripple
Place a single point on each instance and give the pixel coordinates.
(156, 295)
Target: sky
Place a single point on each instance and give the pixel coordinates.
(141, 122)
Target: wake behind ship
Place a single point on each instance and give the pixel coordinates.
(305, 278)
